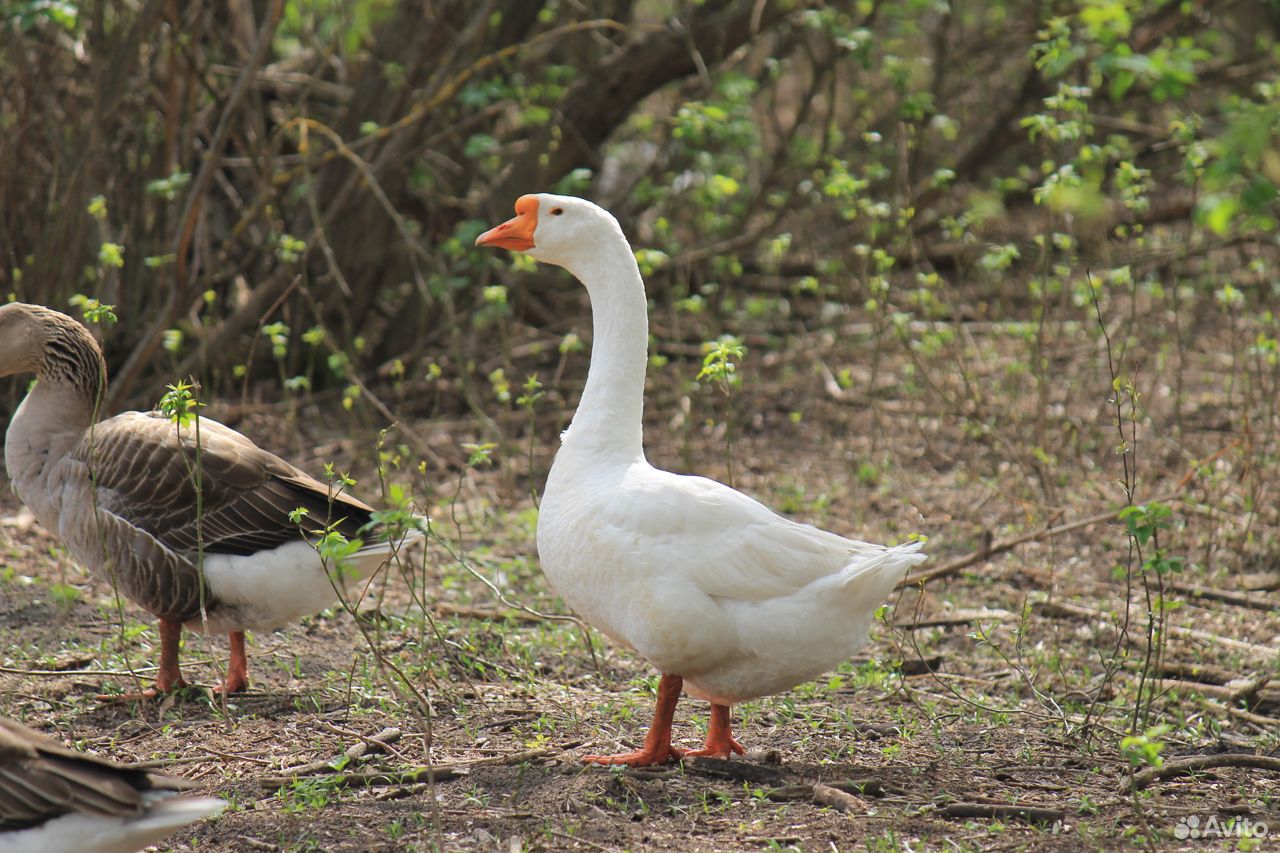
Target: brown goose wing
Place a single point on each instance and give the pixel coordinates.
(145, 470)
(40, 779)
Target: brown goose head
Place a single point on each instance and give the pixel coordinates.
(48, 343)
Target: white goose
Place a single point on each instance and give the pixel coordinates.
(120, 493)
(720, 594)
(53, 799)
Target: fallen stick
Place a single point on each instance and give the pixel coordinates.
(991, 549)
(469, 612)
(438, 773)
(1037, 814)
(117, 673)
(1205, 673)
(67, 673)
(104, 673)
(790, 793)
(1247, 691)
(826, 795)
(1060, 608)
(159, 763)
(1265, 603)
(380, 742)
(866, 786)
(434, 773)
(1196, 763)
(356, 750)
(843, 796)
(958, 617)
(1259, 581)
(1264, 722)
(740, 771)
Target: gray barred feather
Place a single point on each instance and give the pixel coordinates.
(41, 779)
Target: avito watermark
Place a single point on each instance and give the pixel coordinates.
(1193, 826)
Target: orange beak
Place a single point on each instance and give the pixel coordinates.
(516, 233)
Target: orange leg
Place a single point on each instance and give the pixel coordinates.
(169, 678)
(657, 744)
(720, 742)
(237, 680)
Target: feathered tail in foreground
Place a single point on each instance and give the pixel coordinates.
(56, 800)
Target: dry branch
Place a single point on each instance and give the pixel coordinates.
(1262, 721)
(835, 798)
(1247, 690)
(181, 294)
(1062, 609)
(1205, 673)
(867, 786)
(1254, 601)
(359, 749)
(1259, 581)
(790, 793)
(1196, 763)
(486, 613)
(1003, 811)
(434, 773)
(841, 796)
(991, 549)
(959, 617)
(738, 770)
(574, 839)
(595, 105)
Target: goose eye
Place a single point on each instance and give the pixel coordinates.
(556, 211)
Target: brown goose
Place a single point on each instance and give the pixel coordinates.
(136, 469)
(55, 799)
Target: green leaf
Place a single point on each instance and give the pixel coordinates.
(179, 403)
(1219, 212)
(111, 255)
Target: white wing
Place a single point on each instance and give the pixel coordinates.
(725, 543)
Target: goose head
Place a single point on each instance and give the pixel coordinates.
(556, 229)
(21, 339)
(53, 346)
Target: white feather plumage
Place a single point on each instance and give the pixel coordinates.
(701, 580)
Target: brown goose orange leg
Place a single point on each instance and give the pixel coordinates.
(237, 680)
(720, 742)
(657, 747)
(169, 675)
(169, 678)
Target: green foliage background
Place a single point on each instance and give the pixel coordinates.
(1040, 233)
(290, 190)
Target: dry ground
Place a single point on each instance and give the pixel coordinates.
(1003, 686)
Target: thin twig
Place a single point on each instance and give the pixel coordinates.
(1196, 763)
(1000, 546)
(1254, 601)
(357, 750)
(487, 614)
(434, 773)
(1037, 814)
(1058, 608)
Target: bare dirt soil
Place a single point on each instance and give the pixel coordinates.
(988, 713)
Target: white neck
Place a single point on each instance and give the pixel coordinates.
(608, 419)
